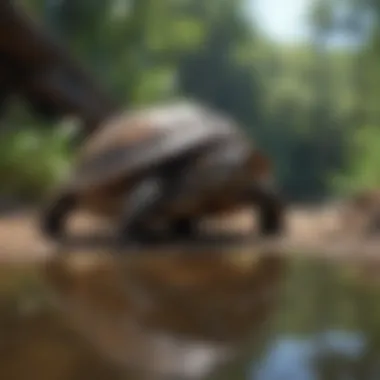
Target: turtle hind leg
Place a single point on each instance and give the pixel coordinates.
(271, 210)
(54, 216)
(139, 207)
(271, 218)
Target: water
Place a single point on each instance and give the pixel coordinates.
(294, 358)
(212, 316)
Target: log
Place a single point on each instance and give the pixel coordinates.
(44, 73)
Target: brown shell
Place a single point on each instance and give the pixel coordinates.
(134, 141)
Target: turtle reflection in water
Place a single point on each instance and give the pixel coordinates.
(168, 166)
(173, 315)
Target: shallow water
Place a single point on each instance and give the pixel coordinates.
(236, 315)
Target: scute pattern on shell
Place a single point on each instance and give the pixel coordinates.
(137, 139)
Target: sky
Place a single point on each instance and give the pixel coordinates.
(283, 20)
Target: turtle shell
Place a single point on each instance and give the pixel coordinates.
(138, 140)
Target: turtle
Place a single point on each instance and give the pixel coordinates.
(166, 165)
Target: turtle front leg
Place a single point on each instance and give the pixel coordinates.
(55, 215)
(271, 209)
(183, 228)
(140, 205)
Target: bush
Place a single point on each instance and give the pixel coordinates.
(363, 157)
(32, 161)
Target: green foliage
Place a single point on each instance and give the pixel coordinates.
(362, 162)
(32, 161)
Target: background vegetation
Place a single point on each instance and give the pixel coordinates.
(312, 106)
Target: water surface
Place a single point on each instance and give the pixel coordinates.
(235, 315)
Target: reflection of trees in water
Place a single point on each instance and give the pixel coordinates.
(322, 297)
